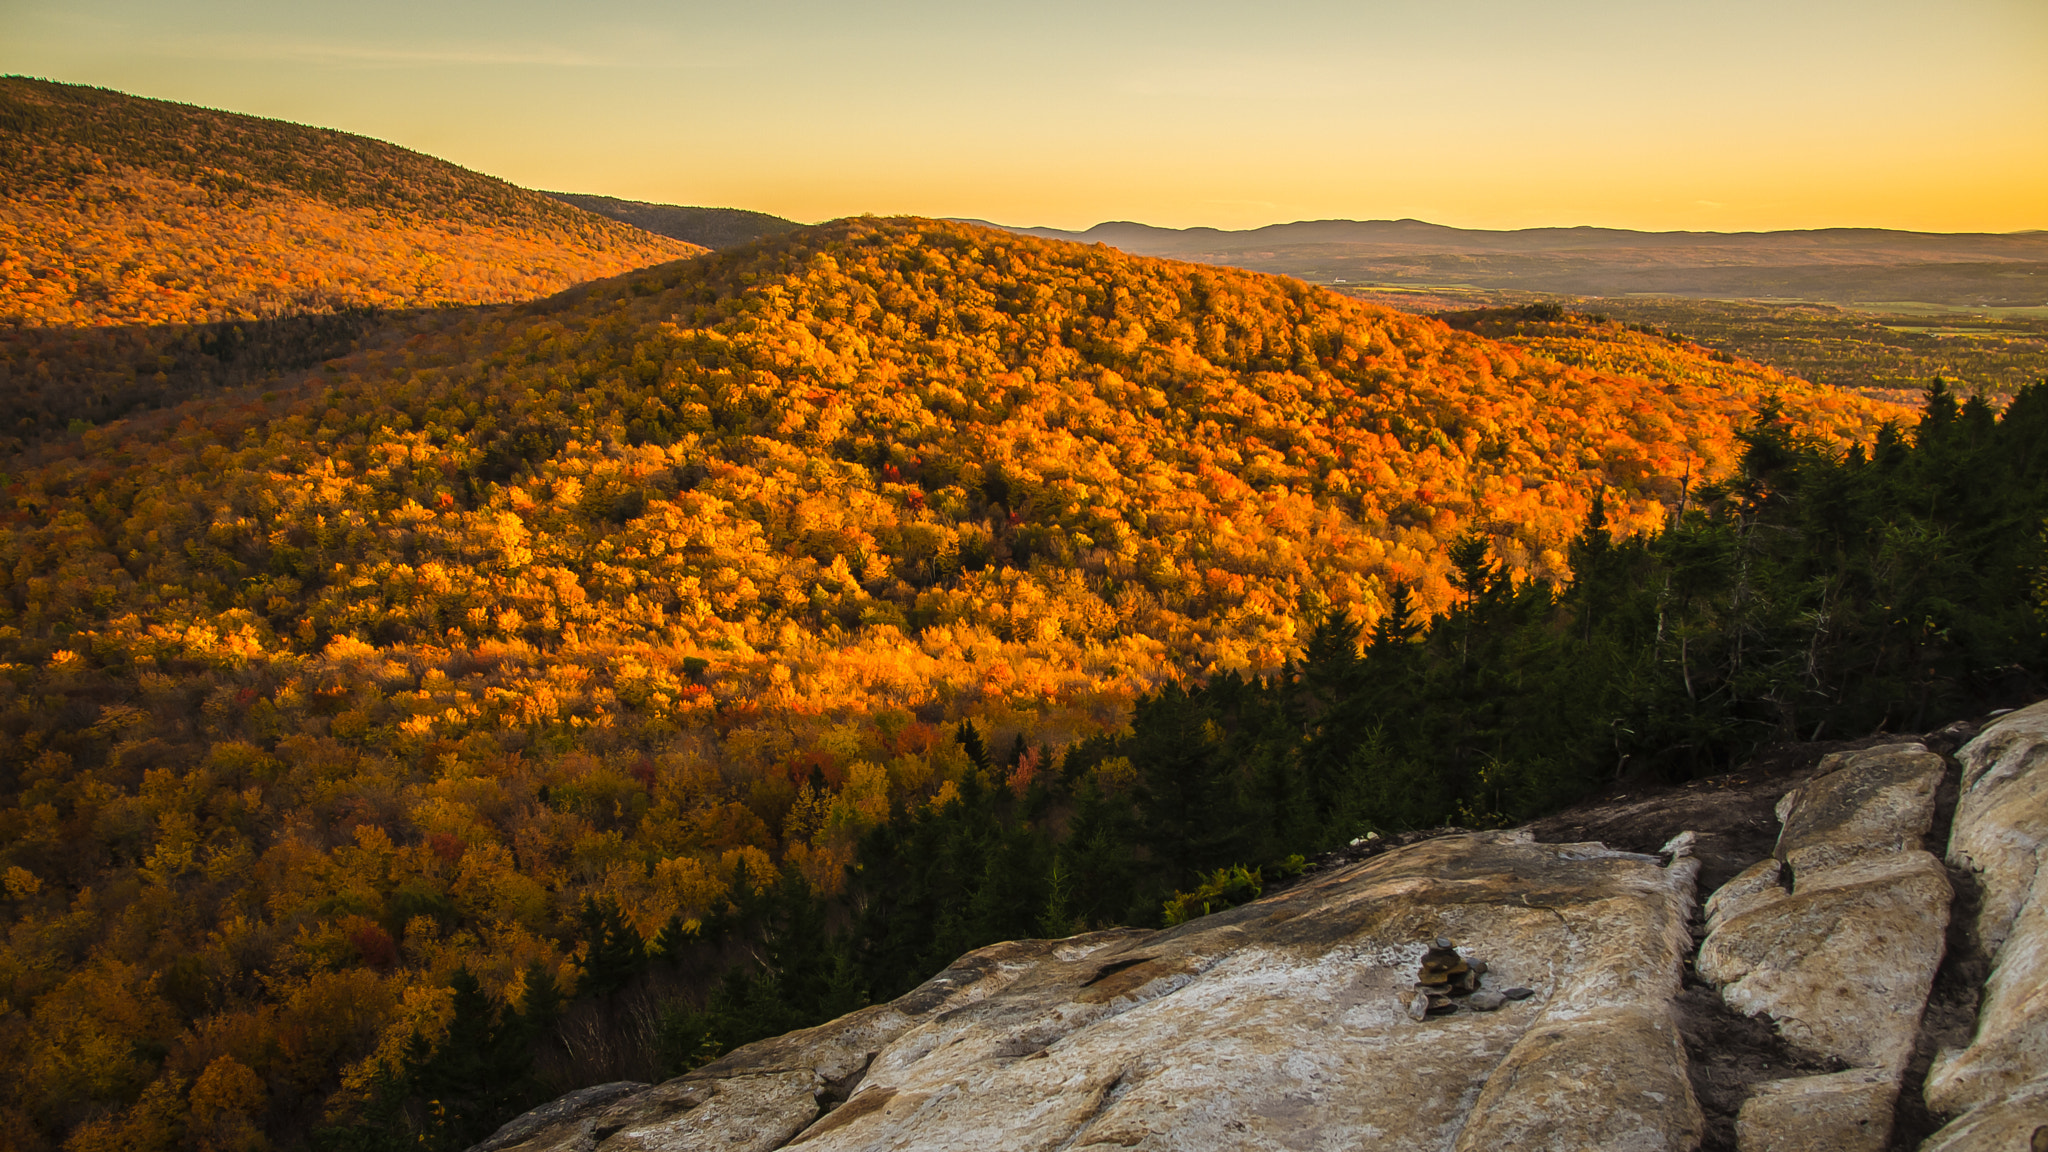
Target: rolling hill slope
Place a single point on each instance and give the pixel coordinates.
(895, 423)
(121, 210)
(688, 576)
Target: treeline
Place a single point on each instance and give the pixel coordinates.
(1813, 593)
(53, 136)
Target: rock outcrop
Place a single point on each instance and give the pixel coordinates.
(1837, 936)
(1478, 991)
(1280, 1024)
(1999, 1082)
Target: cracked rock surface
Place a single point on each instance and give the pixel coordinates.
(1999, 1082)
(1837, 936)
(1280, 1024)
(1843, 927)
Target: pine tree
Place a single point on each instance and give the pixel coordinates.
(613, 952)
(669, 943)
(971, 742)
(540, 1004)
(479, 1075)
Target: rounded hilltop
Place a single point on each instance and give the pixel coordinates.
(123, 210)
(872, 460)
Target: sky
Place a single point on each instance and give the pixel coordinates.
(1729, 115)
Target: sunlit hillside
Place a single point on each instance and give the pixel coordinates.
(120, 210)
(307, 701)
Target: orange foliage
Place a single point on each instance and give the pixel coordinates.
(128, 211)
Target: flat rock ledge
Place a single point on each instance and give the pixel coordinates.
(1284, 1023)
(1837, 936)
(1293, 1022)
(1997, 1086)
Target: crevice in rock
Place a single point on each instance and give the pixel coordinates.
(836, 1092)
(1950, 1018)
(1114, 967)
(861, 1105)
(1727, 1053)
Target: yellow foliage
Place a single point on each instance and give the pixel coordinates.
(685, 886)
(760, 870)
(227, 1100)
(21, 883)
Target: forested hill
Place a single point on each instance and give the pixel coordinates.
(121, 210)
(449, 674)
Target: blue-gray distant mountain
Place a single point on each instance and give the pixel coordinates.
(1846, 265)
(711, 227)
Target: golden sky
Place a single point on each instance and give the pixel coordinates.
(1726, 115)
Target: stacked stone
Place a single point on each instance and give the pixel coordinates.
(1446, 979)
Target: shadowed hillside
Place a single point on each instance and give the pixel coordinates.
(711, 227)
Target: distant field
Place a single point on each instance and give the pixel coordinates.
(1867, 268)
(1878, 311)
(1918, 308)
(1879, 353)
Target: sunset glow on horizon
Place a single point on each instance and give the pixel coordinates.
(1477, 113)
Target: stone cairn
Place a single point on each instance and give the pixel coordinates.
(1448, 981)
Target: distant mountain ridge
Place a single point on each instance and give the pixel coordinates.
(714, 228)
(1411, 232)
(1830, 264)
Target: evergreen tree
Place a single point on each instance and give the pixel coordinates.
(479, 1075)
(669, 943)
(613, 952)
(540, 1004)
(972, 744)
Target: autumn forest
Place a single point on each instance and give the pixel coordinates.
(456, 648)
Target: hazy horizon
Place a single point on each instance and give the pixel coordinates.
(1476, 114)
(1011, 224)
